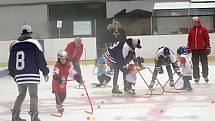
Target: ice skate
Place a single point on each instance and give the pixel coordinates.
(130, 92)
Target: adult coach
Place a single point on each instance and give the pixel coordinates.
(25, 61)
(199, 45)
(75, 50)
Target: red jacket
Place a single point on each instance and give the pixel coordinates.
(63, 73)
(198, 38)
(73, 51)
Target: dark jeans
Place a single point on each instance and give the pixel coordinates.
(33, 92)
(60, 97)
(115, 77)
(169, 71)
(202, 56)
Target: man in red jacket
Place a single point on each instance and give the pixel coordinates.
(199, 45)
(75, 50)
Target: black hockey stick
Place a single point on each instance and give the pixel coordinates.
(88, 97)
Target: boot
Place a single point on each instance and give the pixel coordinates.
(197, 80)
(171, 83)
(206, 80)
(152, 84)
(34, 116)
(184, 86)
(116, 90)
(15, 116)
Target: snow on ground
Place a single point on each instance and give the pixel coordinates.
(184, 106)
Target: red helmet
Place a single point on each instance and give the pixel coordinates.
(131, 66)
(196, 18)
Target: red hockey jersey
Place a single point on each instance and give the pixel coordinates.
(62, 72)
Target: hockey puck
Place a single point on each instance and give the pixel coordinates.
(161, 110)
(212, 102)
(88, 118)
(98, 106)
(102, 102)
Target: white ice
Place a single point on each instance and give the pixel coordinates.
(184, 106)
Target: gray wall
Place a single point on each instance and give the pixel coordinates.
(13, 17)
(114, 7)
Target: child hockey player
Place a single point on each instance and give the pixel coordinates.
(119, 55)
(131, 78)
(101, 72)
(186, 66)
(62, 70)
(165, 57)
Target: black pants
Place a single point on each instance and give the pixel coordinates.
(169, 71)
(60, 97)
(202, 56)
(103, 78)
(115, 77)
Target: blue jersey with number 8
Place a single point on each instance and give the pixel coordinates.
(25, 61)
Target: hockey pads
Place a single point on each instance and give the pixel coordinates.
(176, 69)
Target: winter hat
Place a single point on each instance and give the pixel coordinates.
(26, 28)
(136, 42)
(196, 18)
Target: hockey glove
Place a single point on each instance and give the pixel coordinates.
(139, 61)
(208, 51)
(58, 79)
(46, 78)
(78, 78)
(188, 50)
(159, 69)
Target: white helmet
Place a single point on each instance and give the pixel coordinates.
(62, 54)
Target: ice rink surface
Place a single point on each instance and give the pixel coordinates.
(198, 105)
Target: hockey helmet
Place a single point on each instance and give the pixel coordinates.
(62, 54)
(181, 50)
(166, 51)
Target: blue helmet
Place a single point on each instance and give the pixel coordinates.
(166, 51)
(181, 50)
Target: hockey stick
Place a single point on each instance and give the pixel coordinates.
(93, 72)
(146, 85)
(58, 100)
(174, 85)
(88, 97)
(158, 83)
